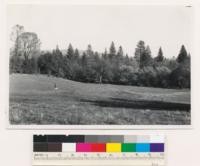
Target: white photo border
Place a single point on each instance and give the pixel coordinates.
(194, 105)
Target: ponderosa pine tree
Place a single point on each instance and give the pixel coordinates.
(145, 57)
(139, 50)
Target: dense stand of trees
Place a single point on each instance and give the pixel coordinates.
(112, 66)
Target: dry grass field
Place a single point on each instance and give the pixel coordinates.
(33, 100)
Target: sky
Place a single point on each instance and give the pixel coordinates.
(159, 26)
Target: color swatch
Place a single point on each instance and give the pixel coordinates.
(113, 147)
(98, 143)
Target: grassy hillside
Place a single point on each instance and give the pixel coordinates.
(33, 100)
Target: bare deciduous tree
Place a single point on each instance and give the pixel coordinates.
(29, 44)
(17, 30)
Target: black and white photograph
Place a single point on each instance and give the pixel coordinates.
(99, 64)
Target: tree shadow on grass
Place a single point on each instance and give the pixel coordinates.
(139, 104)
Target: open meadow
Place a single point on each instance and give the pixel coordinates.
(34, 100)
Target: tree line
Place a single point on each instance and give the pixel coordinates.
(112, 66)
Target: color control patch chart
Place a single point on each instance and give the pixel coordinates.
(98, 150)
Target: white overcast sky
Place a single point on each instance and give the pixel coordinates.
(166, 26)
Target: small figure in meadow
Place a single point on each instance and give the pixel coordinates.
(55, 87)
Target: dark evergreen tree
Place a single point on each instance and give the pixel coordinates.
(91, 63)
(70, 52)
(45, 63)
(77, 56)
(182, 56)
(139, 51)
(126, 60)
(145, 58)
(89, 50)
(90, 57)
(105, 54)
(57, 62)
(68, 62)
(112, 51)
(16, 64)
(119, 57)
(120, 52)
(160, 56)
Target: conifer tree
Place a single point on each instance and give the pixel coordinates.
(139, 51)
(112, 51)
(145, 57)
(70, 52)
(182, 56)
(120, 52)
(76, 54)
(89, 50)
(105, 54)
(160, 56)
